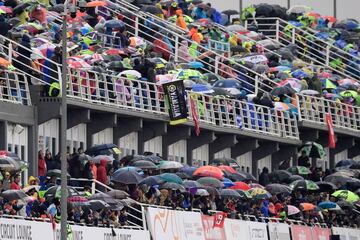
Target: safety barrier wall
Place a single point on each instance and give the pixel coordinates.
(16, 229)
(14, 88)
(166, 224)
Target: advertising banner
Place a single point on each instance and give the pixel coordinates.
(175, 96)
(321, 233)
(342, 232)
(257, 230)
(236, 229)
(299, 232)
(353, 234)
(16, 229)
(279, 231)
(212, 232)
(165, 224)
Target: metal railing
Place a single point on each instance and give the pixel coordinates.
(310, 47)
(314, 110)
(14, 88)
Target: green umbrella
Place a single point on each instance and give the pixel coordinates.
(349, 94)
(314, 150)
(328, 84)
(244, 194)
(210, 182)
(299, 170)
(170, 177)
(346, 195)
(304, 185)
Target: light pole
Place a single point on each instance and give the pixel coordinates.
(63, 128)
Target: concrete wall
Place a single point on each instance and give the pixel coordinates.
(345, 8)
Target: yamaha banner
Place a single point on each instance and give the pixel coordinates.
(175, 97)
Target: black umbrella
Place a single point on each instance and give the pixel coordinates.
(248, 176)
(126, 177)
(337, 179)
(326, 186)
(212, 190)
(345, 204)
(229, 193)
(230, 12)
(59, 8)
(103, 149)
(14, 21)
(183, 175)
(55, 192)
(152, 181)
(153, 158)
(293, 178)
(172, 186)
(144, 164)
(118, 194)
(20, 8)
(151, 9)
(84, 158)
(280, 176)
(113, 58)
(225, 161)
(55, 173)
(142, 2)
(103, 197)
(191, 184)
(283, 90)
(278, 189)
(96, 205)
(11, 195)
(345, 163)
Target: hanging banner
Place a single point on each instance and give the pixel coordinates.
(342, 232)
(210, 231)
(321, 233)
(194, 115)
(175, 97)
(332, 140)
(165, 224)
(299, 232)
(219, 219)
(279, 231)
(236, 229)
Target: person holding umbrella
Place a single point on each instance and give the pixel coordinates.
(304, 160)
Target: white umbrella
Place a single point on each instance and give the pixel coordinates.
(298, 9)
(98, 158)
(170, 165)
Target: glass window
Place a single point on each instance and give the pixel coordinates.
(9, 147)
(53, 146)
(22, 157)
(47, 142)
(16, 149)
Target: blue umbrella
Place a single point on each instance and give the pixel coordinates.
(114, 24)
(130, 168)
(152, 181)
(327, 205)
(228, 183)
(196, 65)
(191, 184)
(188, 170)
(345, 163)
(299, 74)
(126, 177)
(201, 88)
(228, 83)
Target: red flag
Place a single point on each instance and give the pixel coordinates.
(332, 141)
(219, 219)
(194, 115)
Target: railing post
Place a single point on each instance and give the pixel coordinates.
(298, 106)
(246, 24)
(93, 187)
(136, 26)
(176, 48)
(10, 51)
(277, 30)
(327, 57)
(143, 218)
(293, 37)
(217, 59)
(59, 75)
(256, 85)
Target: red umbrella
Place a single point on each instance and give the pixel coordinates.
(6, 9)
(77, 199)
(114, 51)
(96, 4)
(330, 18)
(241, 186)
(209, 171)
(75, 62)
(227, 168)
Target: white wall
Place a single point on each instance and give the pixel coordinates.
(264, 162)
(76, 137)
(49, 136)
(245, 162)
(128, 144)
(177, 151)
(345, 8)
(224, 153)
(154, 145)
(200, 155)
(341, 156)
(103, 137)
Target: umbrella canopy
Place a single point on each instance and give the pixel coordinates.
(243, 194)
(326, 186)
(256, 185)
(327, 205)
(126, 177)
(299, 170)
(299, 9)
(188, 170)
(202, 192)
(240, 186)
(293, 178)
(31, 187)
(130, 168)
(11, 195)
(310, 92)
(151, 9)
(114, 23)
(227, 183)
(172, 186)
(109, 159)
(276, 188)
(55, 173)
(209, 171)
(55, 192)
(103, 197)
(307, 206)
(143, 164)
(292, 210)
(78, 199)
(152, 181)
(313, 150)
(191, 184)
(225, 161)
(226, 193)
(304, 185)
(227, 168)
(349, 94)
(280, 106)
(103, 149)
(346, 195)
(211, 182)
(345, 163)
(338, 179)
(118, 194)
(96, 205)
(280, 175)
(9, 164)
(169, 165)
(283, 90)
(259, 193)
(230, 12)
(96, 4)
(170, 177)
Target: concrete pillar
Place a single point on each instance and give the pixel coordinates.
(99, 122)
(265, 149)
(174, 134)
(150, 130)
(222, 142)
(198, 141)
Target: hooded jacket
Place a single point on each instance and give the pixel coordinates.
(101, 172)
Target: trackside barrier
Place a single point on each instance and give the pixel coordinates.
(166, 224)
(40, 229)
